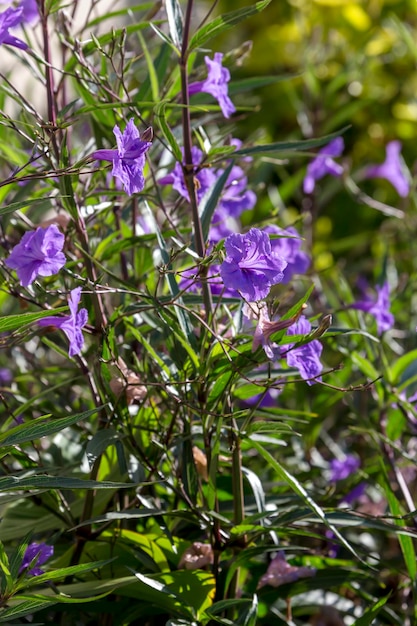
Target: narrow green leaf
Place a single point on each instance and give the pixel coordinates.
(12, 322)
(224, 22)
(175, 21)
(282, 146)
(97, 444)
(161, 120)
(299, 489)
(42, 427)
(400, 366)
(370, 614)
(211, 199)
(151, 68)
(24, 608)
(57, 482)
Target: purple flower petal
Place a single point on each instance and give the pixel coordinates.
(250, 266)
(128, 159)
(392, 169)
(39, 253)
(71, 325)
(343, 468)
(323, 164)
(305, 358)
(288, 246)
(9, 19)
(42, 552)
(379, 308)
(216, 84)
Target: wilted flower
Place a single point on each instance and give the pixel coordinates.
(200, 460)
(215, 84)
(128, 383)
(392, 169)
(280, 572)
(197, 556)
(343, 468)
(379, 308)
(9, 19)
(305, 358)
(39, 551)
(71, 324)
(265, 328)
(250, 266)
(39, 253)
(323, 164)
(288, 245)
(128, 159)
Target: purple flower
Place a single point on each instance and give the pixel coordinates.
(128, 159)
(323, 164)
(235, 197)
(392, 169)
(343, 468)
(280, 572)
(305, 358)
(71, 324)
(215, 84)
(9, 19)
(250, 266)
(39, 253)
(30, 11)
(379, 308)
(39, 551)
(288, 245)
(6, 376)
(204, 177)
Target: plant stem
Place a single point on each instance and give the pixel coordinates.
(188, 166)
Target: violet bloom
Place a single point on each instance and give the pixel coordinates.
(215, 84)
(280, 572)
(288, 245)
(9, 19)
(305, 358)
(379, 308)
(323, 164)
(128, 159)
(39, 551)
(250, 266)
(6, 376)
(30, 11)
(343, 468)
(235, 198)
(39, 253)
(204, 177)
(71, 324)
(392, 169)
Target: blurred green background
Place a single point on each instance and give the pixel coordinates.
(348, 64)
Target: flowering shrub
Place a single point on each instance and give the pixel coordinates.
(200, 423)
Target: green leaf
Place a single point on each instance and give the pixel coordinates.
(17, 206)
(400, 366)
(406, 543)
(160, 117)
(364, 365)
(42, 427)
(298, 488)
(57, 482)
(63, 572)
(248, 84)
(28, 606)
(210, 200)
(99, 442)
(224, 22)
(370, 614)
(282, 146)
(151, 68)
(12, 322)
(175, 21)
